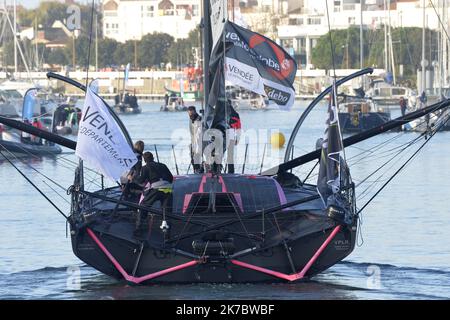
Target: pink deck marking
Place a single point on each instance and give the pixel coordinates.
(130, 278)
(295, 276)
(187, 199)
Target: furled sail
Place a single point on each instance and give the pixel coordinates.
(333, 171)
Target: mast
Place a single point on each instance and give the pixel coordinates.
(36, 58)
(361, 44)
(391, 49)
(15, 36)
(96, 41)
(206, 49)
(423, 83)
(386, 64)
(445, 45)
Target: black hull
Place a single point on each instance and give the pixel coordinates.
(127, 109)
(358, 122)
(35, 149)
(154, 260)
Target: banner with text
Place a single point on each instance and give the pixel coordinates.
(258, 64)
(101, 142)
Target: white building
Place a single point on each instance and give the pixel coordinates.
(309, 22)
(131, 19)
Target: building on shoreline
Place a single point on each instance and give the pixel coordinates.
(299, 30)
(132, 19)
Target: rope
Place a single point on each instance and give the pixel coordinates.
(36, 187)
(404, 165)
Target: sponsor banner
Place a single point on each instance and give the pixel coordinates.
(218, 19)
(283, 96)
(243, 75)
(101, 142)
(254, 52)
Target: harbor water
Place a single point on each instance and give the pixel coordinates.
(402, 247)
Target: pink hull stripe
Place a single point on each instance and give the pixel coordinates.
(224, 187)
(295, 276)
(130, 278)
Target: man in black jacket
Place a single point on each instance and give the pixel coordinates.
(157, 179)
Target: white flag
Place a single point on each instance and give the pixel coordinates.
(101, 142)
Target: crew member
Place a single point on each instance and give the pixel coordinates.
(131, 182)
(195, 128)
(233, 135)
(158, 186)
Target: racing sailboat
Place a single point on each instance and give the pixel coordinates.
(220, 227)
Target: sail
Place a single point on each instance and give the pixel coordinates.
(333, 169)
(30, 103)
(258, 64)
(101, 142)
(127, 72)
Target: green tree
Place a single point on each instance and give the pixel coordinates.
(124, 53)
(153, 49)
(57, 57)
(181, 51)
(106, 49)
(406, 43)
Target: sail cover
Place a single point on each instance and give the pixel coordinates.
(101, 141)
(333, 173)
(258, 64)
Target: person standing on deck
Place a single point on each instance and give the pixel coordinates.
(232, 136)
(157, 179)
(195, 128)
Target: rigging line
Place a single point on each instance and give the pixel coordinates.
(376, 148)
(52, 155)
(30, 166)
(35, 186)
(387, 153)
(331, 40)
(362, 194)
(439, 18)
(403, 166)
(67, 201)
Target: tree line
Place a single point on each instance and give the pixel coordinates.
(406, 44)
(152, 51)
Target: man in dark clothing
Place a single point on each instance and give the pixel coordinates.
(195, 129)
(233, 135)
(158, 186)
(403, 105)
(131, 184)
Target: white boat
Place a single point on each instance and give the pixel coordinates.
(431, 121)
(383, 93)
(19, 86)
(242, 99)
